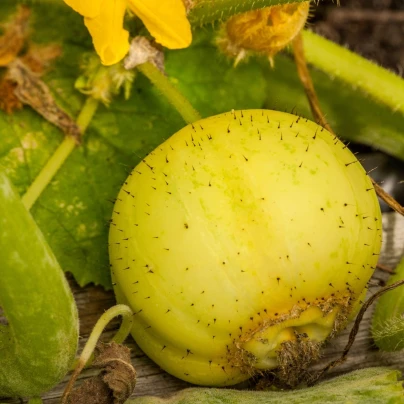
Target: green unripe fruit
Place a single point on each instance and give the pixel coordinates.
(39, 343)
(388, 317)
(241, 243)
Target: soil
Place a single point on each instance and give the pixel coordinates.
(375, 30)
(372, 28)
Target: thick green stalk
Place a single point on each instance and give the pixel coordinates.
(209, 11)
(59, 157)
(337, 61)
(164, 85)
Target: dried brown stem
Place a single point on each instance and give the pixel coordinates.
(385, 268)
(305, 78)
(354, 331)
(387, 198)
(72, 380)
(307, 82)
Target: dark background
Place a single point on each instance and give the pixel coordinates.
(375, 30)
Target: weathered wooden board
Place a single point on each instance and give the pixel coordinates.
(92, 301)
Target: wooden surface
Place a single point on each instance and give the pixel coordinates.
(92, 301)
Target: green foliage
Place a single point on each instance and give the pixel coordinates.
(73, 212)
(374, 385)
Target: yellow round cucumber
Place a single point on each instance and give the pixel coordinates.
(242, 243)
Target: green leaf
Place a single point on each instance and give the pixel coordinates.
(374, 385)
(73, 212)
(210, 82)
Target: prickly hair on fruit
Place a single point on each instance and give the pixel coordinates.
(242, 243)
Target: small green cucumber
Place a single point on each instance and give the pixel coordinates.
(38, 345)
(388, 318)
(365, 386)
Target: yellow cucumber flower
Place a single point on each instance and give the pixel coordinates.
(166, 20)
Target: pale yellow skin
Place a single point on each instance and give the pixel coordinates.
(229, 225)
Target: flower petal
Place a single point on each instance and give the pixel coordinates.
(110, 39)
(166, 20)
(87, 8)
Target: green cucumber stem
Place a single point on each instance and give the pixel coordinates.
(60, 156)
(172, 94)
(337, 61)
(124, 330)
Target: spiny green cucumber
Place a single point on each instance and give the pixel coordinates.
(388, 318)
(374, 385)
(39, 343)
(242, 243)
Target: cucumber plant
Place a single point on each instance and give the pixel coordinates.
(38, 344)
(242, 243)
(388, 318)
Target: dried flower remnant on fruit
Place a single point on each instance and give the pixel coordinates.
(265, 31)
(294, 358)
(166, 21)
